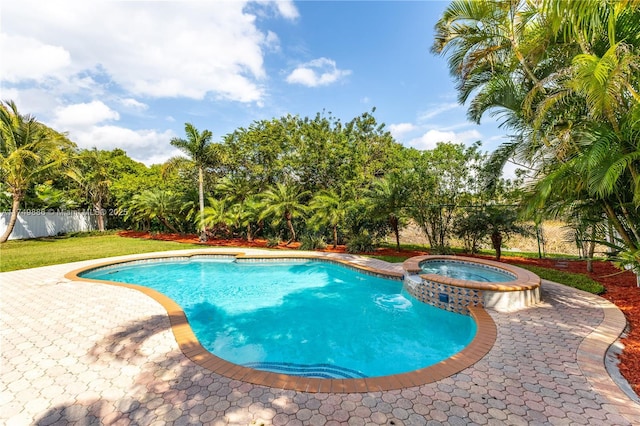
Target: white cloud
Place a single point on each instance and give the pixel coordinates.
(429, 139)
(401, 129)
(87, 125)
(437, 110)
(160, 49)
(318, 72)
(26, 58)
(283, 8)
(287, 9)
(134, 104)
(83, 116)
(272, 41)
(82, 66)
(146, 146)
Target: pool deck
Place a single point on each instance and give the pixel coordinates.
(88, 353)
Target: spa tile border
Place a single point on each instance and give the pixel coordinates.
(525, 280)
(190, 346)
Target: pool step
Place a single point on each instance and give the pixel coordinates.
(319, 371)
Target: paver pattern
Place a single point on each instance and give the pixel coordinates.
(85, 353)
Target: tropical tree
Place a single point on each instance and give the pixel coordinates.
(439, 182)
(329, 209)
(388, 199)
(217, 216)
(565, 78)
(239, 194)
(495, 222)
(28, 149)
(49, 196)
(247, 215)
(284, 202)
(259, 154)
(91, 171)
(202, 153)
(368, 150)
(156, 204)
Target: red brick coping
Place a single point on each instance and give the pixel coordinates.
(481, 344)
(525, 280)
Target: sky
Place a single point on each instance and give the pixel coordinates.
(130, 74)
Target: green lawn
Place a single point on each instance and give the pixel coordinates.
(579, 281)
(22, 254)
(390, 259)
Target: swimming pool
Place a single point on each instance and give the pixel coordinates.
(300, 317)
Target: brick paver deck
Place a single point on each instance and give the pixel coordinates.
(85, 353)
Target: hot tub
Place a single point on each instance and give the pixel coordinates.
(456, 282)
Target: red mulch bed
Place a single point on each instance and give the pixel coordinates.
(620, 286)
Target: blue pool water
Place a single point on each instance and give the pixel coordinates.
(310, 318)
(464, 271)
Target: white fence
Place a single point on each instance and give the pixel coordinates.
(39, 223)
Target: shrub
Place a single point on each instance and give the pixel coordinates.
(273, 241)
(360, 243)
(312, 242)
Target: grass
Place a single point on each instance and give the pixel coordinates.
(390, 259)
(23, 254)
(579, 281)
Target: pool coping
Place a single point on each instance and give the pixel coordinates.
(190, 346)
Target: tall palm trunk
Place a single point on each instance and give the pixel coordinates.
(15, 208)
(97, 206)
(249, 234)
(290, 225)
(335, 236)
(203, 234)
(618, 226)
(591, 248)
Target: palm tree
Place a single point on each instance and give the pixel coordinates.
(569, 82)
(202, 153)
(387, 200)
(330, 209)
(486, 38)
(156, 203)
(597, 136)
(218, 214)
(91, 172)
(284, 202)
(239, 193)
(27, 150)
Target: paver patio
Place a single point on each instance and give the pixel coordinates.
(85, 353)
